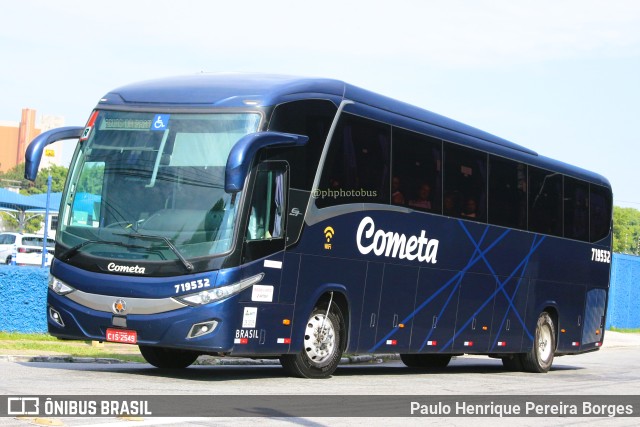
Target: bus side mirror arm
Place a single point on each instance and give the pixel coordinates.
(243, 152)
(33, 155)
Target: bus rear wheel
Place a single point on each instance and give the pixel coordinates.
(322, 348)
(168, 358)
(540, 358)
(426, 361)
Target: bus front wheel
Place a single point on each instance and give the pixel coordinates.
(168, 358)
(322, 347)
(540, 358)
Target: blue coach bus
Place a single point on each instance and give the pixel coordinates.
(296, 218)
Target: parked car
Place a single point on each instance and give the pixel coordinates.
(28, 248)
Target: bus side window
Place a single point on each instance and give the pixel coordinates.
(266, 215)
(507, 193)
(600, 212)
(417, 171)
(465, 183)
(545, 202)
(576, 209)
(357, 166)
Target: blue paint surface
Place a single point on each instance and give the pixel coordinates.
(23, 292)
(624, 293)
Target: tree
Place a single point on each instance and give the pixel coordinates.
(626, 230)
(16, 175)
(58, 177)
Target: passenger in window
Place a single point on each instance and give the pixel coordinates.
(470, 209)
(449, 205)
(423, 199)
(397, 198)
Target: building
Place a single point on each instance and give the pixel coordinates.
(16, 136)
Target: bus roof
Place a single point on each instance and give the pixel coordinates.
(236, 90)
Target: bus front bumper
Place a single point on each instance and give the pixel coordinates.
(207, 328)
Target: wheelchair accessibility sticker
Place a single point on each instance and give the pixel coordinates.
(160, 122)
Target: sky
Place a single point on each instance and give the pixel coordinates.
(561, 77)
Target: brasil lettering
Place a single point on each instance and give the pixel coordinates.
(394, 245)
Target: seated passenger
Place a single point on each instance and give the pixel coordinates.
(423, 199)
(470, 209)
(397, 198)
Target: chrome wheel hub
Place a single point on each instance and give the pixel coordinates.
(319, 339)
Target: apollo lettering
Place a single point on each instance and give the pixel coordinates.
(394, 245)
(125, 268)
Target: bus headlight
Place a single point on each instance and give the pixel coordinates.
(58, 286)
(219, 294)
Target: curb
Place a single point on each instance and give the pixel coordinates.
(202, 360)
(60, 359)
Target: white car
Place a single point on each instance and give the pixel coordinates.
(28, 248)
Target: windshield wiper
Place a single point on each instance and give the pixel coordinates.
(66, 255)
(166, 240)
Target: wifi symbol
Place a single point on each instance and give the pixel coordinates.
(328, 233)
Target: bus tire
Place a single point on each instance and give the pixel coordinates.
(322, 350)
(540, 358)
(168, 358)
(426, 361)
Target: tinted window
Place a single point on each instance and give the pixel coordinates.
(465, 183)
(32, 241)
(576, 209)
(600, 218)
(357, 166)
(545, 201)
(507, 193)
(266, 219)
(417, 171)
(312, 118)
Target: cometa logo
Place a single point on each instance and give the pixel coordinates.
(394, 245)
(115, 268)
(328, 234)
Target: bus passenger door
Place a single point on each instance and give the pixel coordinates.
(263, 252)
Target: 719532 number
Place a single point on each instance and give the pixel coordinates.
(192, 285)
(600, 255)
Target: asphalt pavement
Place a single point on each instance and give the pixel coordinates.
(612, 339)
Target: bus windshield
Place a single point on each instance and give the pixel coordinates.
(150, 187)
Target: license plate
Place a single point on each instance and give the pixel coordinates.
(122, 335)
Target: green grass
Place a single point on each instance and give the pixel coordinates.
(42, 344)
(630, 331)
(21, 336)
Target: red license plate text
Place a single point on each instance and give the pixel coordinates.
(122, 335)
